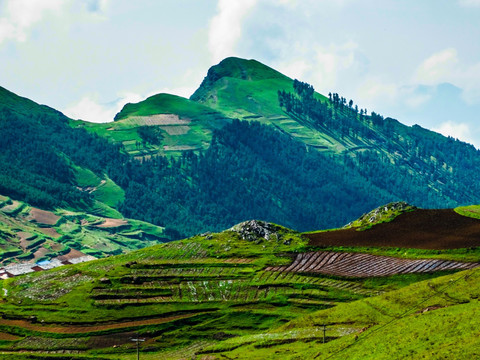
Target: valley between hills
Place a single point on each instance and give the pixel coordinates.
(214, 228)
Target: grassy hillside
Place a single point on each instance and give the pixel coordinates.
(248, 90)
(31, 235)
(299, 158)
(22, 105)
(432, 319)
(382, 149)
(163, 124)
(217, 295)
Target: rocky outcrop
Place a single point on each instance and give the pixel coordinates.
(382, 214)
(257, 231)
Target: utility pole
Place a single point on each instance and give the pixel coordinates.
(138, 340)
(324, 332)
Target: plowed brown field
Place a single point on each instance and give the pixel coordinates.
(420, 229)
(77, 329)
(365, 265)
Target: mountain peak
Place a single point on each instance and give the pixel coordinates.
(237, 68)
(23, 105)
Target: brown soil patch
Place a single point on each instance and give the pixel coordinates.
(420, 229)
(103, 341)
(50, 232)
(8, 337)
(179, 147)
(176, 129)
(23, 236)
(238, 261)
(75, 329)
(72, 254)
(13, 206)
(41, 252)
(112, 223)
(43, 217)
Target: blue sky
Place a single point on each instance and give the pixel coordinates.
(416, 61)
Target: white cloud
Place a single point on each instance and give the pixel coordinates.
(21, 15)
(446, 67)
(89, 109)
(373, 89)
(469, 3)
(456, 130)
(226, 27)
(318, 65)
(438, 68)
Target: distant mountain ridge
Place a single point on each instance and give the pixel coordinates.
(249, 143)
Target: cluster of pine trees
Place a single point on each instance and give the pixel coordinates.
(250, 170)
(36, 156)
(392, 155)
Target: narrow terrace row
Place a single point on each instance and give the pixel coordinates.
(365, 265)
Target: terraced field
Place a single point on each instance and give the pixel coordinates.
(31, 235)
(186, 297)
(365, 265)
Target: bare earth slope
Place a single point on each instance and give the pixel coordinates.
(420, 229)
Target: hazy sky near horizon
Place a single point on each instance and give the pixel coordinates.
(416, 61)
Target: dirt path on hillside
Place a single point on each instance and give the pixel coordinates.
(420, 229)
(75, 329)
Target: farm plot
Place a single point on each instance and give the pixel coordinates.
(419, 229)
(365, 265)
(43, 217)
(155, 120)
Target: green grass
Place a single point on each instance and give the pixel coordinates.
(109, 193)
(192, 133)
(432, 319)
(472, 211)
(382, 214)
(164, 104)
(217, 283)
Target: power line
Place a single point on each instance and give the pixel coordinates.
(405, 313)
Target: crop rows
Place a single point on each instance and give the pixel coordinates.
(38, 343)
(178, 250)
(365, 265)
(279, 277)
(150, 286)
(181, 272)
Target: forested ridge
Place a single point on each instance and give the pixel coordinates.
(413, 163)
(249, 170)
(36, 153)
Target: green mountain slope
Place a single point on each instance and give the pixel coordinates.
(229, 294)
(22, 105)
(30, 235)
(161, 125)
(383, 150)
(248, 90)
(300, 158)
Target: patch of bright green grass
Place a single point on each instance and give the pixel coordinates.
(429, 319)
(109, 193)
(472, 211)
